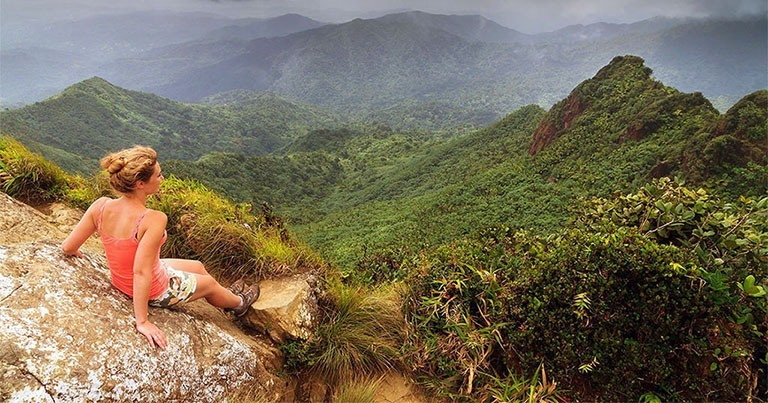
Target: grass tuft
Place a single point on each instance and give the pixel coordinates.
(359, 336)
(28, 176)
(363, 391)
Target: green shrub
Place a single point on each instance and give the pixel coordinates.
(359, 335)
(661, 293)
(612, 313)
(729, 240)
(28, 176)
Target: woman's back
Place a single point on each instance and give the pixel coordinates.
(120, 220)
(118, 224)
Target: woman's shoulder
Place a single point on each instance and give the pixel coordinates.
(152, 220)
(97, 204)
(101, 200)
(155, 216)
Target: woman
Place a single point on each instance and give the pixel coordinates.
(132, 236)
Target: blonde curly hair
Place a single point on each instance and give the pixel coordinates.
(128, 166)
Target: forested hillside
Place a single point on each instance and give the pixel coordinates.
(457, 255)
(88, 119)
(367, 187)
(614, 132)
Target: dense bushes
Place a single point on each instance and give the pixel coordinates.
(28, 176)
(648, 293)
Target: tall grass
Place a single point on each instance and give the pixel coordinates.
(226, 236)
(359, 391)
(28, 176)
(359, 335)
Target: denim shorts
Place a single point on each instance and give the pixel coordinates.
(181, 286)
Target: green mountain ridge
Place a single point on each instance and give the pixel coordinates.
(93, 117)
(614, 132)
(629, 129)
(364, 188)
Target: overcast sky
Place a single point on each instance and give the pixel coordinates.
(529, 16)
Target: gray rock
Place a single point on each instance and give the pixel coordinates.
(286, 309)
(67, 335)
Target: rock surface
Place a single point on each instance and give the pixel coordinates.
(285, 309)
(67, 335)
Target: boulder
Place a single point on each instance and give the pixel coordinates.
(67, 335)
(21, 223)
(285, 309)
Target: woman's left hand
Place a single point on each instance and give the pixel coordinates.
(154, 335)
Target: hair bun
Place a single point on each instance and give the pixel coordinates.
(113, 163)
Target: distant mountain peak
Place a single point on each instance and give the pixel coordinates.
(620, 64)
(608, 89)
(469, 27)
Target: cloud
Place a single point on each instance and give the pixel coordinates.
(525, 15)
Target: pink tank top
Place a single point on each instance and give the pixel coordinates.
(121, 254)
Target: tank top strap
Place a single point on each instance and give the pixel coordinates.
(101, 211)
(136, 227)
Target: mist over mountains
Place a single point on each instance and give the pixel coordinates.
(365, 67)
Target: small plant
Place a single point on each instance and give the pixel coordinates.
(538, 389)
(589, 367)
(749, 287)
(581, 304)
(359, 335)
(359, 391)
(649, 397)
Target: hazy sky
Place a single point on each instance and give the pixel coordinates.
(524, 15)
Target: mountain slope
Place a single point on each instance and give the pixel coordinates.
(94, 117)
(473, 28)
(364, 66)
(614, 132)
(252, 28)
(39, 61)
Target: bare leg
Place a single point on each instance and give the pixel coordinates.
(190, 266)
(214, 293)
(207, 286)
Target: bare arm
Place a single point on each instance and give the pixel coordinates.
(83, 230)
(149, 246)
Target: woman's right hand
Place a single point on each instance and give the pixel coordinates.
(154, 335)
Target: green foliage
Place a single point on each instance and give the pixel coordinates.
(517, 389)
(359, 335)
(433, 116)
(614, 132)
(94, 117)
(28, 176)
(731, 154)
(660, 290)
(645, 325)
(227, 236)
